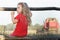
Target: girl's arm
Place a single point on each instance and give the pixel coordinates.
(13, 19)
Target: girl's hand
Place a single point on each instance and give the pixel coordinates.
(12, 13)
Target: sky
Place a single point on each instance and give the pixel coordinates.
(37, 16)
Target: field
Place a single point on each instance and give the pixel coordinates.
(35, 31)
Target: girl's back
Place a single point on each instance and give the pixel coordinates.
(21, 26)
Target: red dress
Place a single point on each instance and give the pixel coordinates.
(21, 27)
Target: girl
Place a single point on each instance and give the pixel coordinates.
(22, 20)
(53, 24)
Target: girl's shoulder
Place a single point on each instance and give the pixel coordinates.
(22, 15)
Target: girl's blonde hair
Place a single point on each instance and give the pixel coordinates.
(26, 11)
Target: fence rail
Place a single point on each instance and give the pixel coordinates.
(31, 8)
